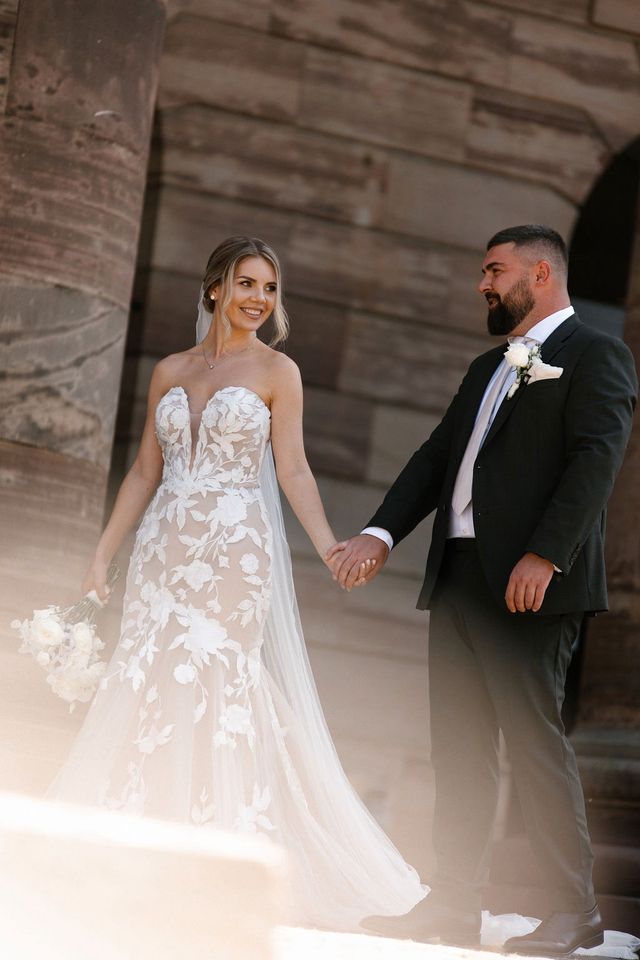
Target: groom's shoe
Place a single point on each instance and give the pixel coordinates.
(560, 935)
(429, 922)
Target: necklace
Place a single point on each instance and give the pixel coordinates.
(223, 356)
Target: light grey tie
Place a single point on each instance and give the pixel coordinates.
(463, 487)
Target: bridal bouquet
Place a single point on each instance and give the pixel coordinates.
(65, 644)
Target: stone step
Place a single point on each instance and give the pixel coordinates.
(293, 943)
(516, 885)
(82, 884)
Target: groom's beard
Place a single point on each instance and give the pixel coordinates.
(508, 312)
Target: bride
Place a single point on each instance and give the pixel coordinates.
(208, 711)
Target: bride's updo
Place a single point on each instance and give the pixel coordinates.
(220, 271)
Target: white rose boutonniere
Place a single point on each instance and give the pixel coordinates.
(529, 365)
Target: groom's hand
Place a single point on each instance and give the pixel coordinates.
(351, 554)
(528, 583)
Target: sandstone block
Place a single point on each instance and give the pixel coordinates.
(385, 104)
(316, 340)
(278, 165)
(395, 434)
(458, 39)
(461, 206)
(399, 362)
(164, 309)
(619, 14)
(336, 432)
(576, 11)
(348, 507)
(110, 885)
(536, 139)
(254, 14)
(592, 71)
(188, 226)
(228, 66)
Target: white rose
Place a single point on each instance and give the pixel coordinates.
(209, 415)
(249, 563)
(231, 509)
(179, 418)
(197, 574)
(82, 636)
(46, 630)
(517, 355)
(160, 600)
(65, 688)
(43, 659)
(236, 719)
(185, 673)
(96, 670)
(78, 661)
(149, 530)
(204, 636)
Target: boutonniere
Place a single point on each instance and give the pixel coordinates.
(529, 365)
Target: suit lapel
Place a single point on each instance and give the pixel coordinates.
(556, 341)
(552, 346)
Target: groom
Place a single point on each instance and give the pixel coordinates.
(519, 472)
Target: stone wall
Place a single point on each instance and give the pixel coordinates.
(377, 146)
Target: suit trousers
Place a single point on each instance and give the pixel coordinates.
(492, 670)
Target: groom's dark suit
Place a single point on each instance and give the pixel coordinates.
(541, 482)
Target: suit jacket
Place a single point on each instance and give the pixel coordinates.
(543, 474)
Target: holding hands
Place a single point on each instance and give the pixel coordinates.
(356, 561)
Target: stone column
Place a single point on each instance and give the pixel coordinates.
(77, 90)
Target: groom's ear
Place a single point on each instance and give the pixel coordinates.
(543, 272)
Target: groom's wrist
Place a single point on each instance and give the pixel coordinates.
(381, 534)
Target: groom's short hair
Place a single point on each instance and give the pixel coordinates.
(544, 242)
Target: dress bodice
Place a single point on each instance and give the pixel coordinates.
(224, 445)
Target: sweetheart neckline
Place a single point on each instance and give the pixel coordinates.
(196, 436)
(213, 396)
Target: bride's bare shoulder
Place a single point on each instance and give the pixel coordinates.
(168, 371)
(280, 365)
(282, 370)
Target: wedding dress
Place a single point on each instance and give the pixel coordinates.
(208, 711)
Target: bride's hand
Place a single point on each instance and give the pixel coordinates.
(96, 579)
(332, 560)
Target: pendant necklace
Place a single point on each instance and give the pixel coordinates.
(223, 356)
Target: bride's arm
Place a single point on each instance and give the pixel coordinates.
(135, 493)
(293, 471)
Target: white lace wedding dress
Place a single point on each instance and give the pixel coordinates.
(208, 711)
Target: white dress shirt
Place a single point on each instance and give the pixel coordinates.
(462, 525)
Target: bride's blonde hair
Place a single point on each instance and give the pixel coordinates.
(220, 272)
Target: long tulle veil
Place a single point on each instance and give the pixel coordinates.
(284, 650)
(337, 807)
(204, 318)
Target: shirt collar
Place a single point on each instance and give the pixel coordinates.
(544, 328)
